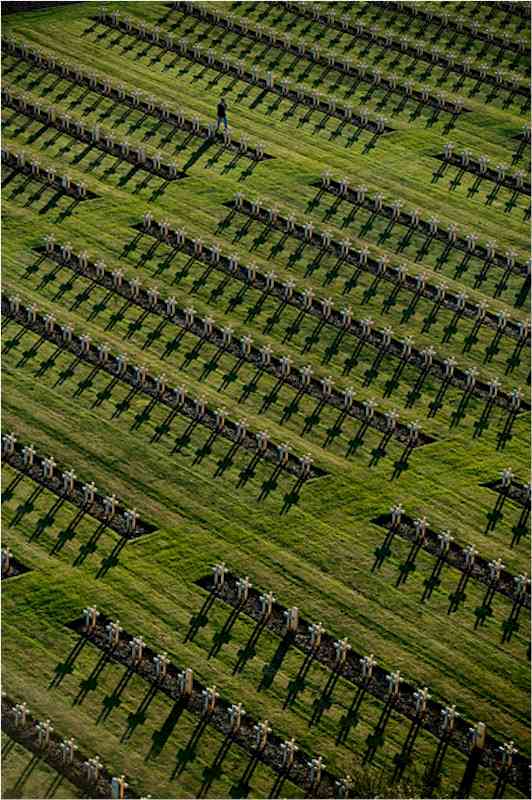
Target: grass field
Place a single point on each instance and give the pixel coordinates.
(316, 550)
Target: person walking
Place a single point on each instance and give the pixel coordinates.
(221, 114)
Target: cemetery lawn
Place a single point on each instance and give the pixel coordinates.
(317, 550)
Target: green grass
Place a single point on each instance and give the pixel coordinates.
(319, 553)
(23, 775)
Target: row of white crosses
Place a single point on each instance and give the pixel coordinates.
(265, 353)
(246, 342)
(210, 694)
(466, 67)
(262, 438)
(366, 329)
(313, 54)
(268, 79)
(68, 478)
(148, 105)
(92, 767)
(342, 647)
(261, 731)
(398, 273)
(136, 645)
(330, 18)
(467, 160)
(105, 141)
(414, 214)
(457, 302)
(494, 567)
(46, 174)
(445, 20)
(402, 44)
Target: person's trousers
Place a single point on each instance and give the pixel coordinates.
(219, 122)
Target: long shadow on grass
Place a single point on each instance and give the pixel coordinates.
(160, 737)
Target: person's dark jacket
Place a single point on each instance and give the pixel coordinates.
(222, 109)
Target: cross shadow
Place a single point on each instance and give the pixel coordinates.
(161, 736)
(242, 788)
(248, 651)
(504, 436)
(270, 484)
(434, 580)
(188, 753)
(55, 783)
(114, 700)
(27, 506)
(495, 515)
(375, 740)
(511, 624)
(270, 670)
(90, 683)
(215, 769)
(278, 784)
(384, 551)
(401, 465)
(292, 497)
(69, 532)
(249, 471)
(324, 701)
(9, 491)
(112, 559)
(404, 757)
(459, 596)
(222, 637)
(7, 748)
(351, 717)
(27, 771)
(139, 716)
(67, 666)
(200, 619)
(227, 461)
(47, 520)
(298, 683)
(90, 546)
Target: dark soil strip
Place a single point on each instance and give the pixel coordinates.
(294, 380)
(489, 174)
(313, 102)
(270, 38)
(78, 131)
(454, 558)
(16, 567)
(438, 58)
(518, 492)
(352, 672)
(47, 63)
(96, 509)
(423, 227)
(271, 755)
(168, 397)
(75, 773)
(37, 173)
